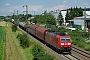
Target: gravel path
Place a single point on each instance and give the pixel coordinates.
(13, 51)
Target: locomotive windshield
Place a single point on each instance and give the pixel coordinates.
(65, 39)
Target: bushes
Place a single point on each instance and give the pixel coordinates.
(79, 38)
(84, 34)
(39, 53)
(24, 41)
(14, 28)
(87, 47)
(36, 50)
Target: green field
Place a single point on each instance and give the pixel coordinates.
(2, 42)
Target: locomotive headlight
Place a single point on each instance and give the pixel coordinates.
(69, 43)
(62, 43)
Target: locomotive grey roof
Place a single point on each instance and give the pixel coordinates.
(22, 23)
(54, 33)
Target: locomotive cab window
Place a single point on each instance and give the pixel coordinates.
(67, 40)
(63, 40)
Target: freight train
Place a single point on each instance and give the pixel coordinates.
(61, 42)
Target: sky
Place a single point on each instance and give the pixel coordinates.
(7, 7)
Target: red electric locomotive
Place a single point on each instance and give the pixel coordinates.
(60, 41)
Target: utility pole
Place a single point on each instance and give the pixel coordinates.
(17, 18)
(34, 13)
(17, 14)
(45, 13)
(35, 17)
(26, 12)
(14, 15)
(85, 19)
(26, 15)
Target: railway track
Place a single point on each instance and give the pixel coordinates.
(75, 53)
(81, 53)
(71, 57)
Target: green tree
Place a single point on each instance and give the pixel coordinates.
(80, 11)
(73, 12)
(2, 18)
(45, 19)
(76, 12)
(24, 41)
(50, 19)
(20, 15)
(35, 19)
(28, 15)
(60, 18)
(67, 16)
(40, 54)
(14, 28)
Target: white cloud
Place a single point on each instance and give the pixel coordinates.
(36, 8)
(86, 3)
(75, 1)
(31, 8)
(10, 10)
(65, 1)
(60, 7)
(7, 4)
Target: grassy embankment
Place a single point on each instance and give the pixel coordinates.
(31, 53)
(27, 51)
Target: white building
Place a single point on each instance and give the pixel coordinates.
(64, 13)
(55, 14)
(82, 21)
